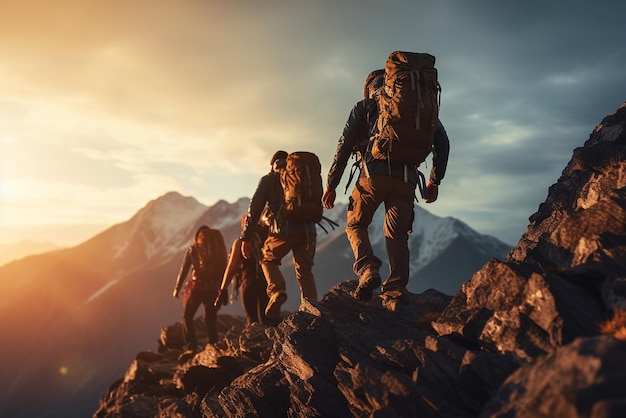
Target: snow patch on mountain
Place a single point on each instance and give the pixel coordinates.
(224, 214)
(100, 291)
(160, 226)
(166, 225)
(431, 236)
(168, 216)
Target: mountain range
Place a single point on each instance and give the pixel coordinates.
(72, 318)
(541, 333)
(10, 252)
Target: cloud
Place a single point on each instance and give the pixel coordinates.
(134, 99)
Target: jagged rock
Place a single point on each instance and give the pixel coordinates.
(171, 337)
(255, 343)
(510, 307)
(329, 360)
(576, 380)
(147, 379)
(581, 226)
(520, 339)
(567, 272)
(202, 379)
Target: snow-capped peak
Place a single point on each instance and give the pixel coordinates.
(159, 226)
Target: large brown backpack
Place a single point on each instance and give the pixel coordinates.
(408, 108)
(302, 188)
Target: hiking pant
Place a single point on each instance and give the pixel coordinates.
(196, 298)
(367, 195)
(253, 292)
(278, 246)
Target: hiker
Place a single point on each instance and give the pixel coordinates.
(284, 236)
(380, 181)
(248, 275)
(206, 258)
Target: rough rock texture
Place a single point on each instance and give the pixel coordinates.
(521, 339)
(585, 378)
(568, 271)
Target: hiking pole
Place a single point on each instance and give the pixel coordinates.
(218, 299)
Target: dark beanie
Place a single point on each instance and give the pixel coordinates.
(278, 155)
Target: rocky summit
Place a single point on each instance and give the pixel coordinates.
(538, 334)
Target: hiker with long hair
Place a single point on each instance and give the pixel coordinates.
(248, 275)
(206, 259)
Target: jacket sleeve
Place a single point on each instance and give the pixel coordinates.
(184, 269)
(257, 204)
(354, 132)
(441, 151)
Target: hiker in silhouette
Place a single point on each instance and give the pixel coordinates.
(248, 275)
(284, 236)
(206, 259)
(380, 181)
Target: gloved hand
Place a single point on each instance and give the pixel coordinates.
(432, 191)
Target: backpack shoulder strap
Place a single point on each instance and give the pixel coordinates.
(362, 151)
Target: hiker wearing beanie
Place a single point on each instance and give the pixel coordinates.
(284, 236)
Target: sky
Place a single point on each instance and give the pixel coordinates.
(106, 105)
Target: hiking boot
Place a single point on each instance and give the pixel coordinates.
(273, 306)
(392, 300)
(365, 289)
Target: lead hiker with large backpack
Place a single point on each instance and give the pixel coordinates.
(391, 132)
(206, 259)
(289, 200)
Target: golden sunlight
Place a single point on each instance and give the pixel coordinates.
(615, 326)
